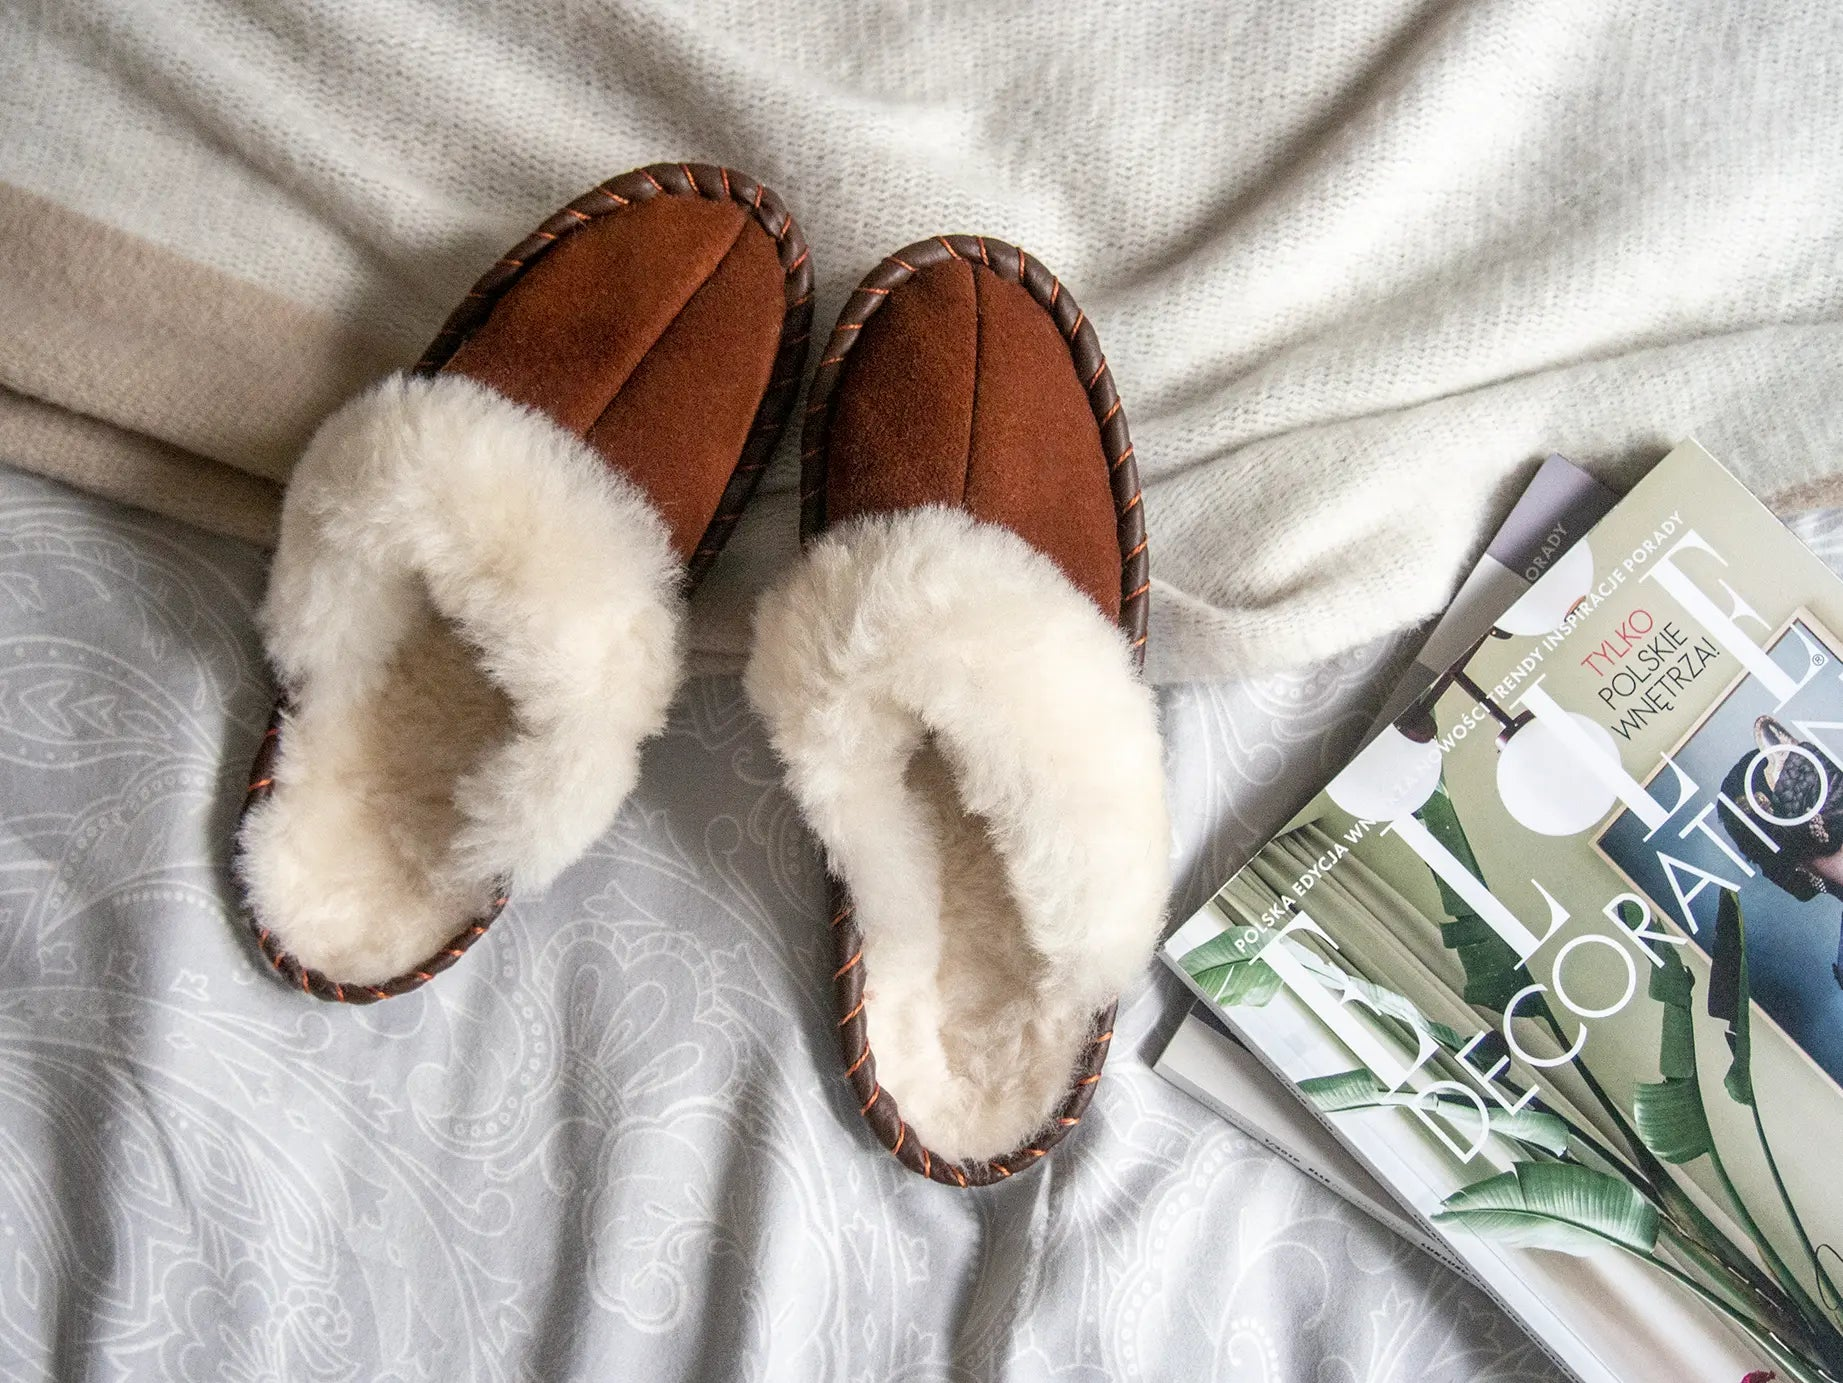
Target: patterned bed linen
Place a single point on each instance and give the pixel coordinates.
(613, 1142)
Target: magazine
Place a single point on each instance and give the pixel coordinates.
(1202, 1058)
(1558, 952)
(1560, 503)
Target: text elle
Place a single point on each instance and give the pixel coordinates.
(1636, 940)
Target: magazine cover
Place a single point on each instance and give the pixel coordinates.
(1558, 953)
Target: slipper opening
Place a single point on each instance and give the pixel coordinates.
(965, 732)
(476, 624)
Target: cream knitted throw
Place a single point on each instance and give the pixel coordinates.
(1357, 265)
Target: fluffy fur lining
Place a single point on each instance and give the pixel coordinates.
(477, 622)
(965, 733)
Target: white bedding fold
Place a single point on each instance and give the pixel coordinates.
(1357, 266)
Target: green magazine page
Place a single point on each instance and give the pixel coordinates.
(1558, 955)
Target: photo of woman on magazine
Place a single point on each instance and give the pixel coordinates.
(1780, 845)
(1799, 783)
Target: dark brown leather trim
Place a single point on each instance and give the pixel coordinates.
(305, 978)
(878, 1107)
(771, 416)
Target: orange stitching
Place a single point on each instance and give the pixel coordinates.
(903, 263)
(849, 326)
(726, 182)
(1067, 1122)
(1080, 317)
(304, 986)
(1136, 551)
(516, 263)
(543, 235)
(339, 992)
(960, 1176)
(685, 168)
(375, 992)
(1036, 1152)
(614, 197)
(1099, 370)
(983, 258)
(1003, 1169)
(579, 215)
(1108, 1035)
(843, 913)
(272, 732)
(261, 783)
(1107, 417)
(830, 360)
(1020, 266)
(758, 197)
(902, 1132)
(454, 951)
(801, 260)
(1143, 588)
(1120, 460)
(1055, 290)
(1137, 496)
(856, 956)
(854, 1013)
(863, 1056)
(647, 173)
(927, 1163)
(1089, 1080)
(945, 246)
(802, 300)
(262, 935)
(880, 292)
(422, 975)
(1139, 642)
(874, 1095)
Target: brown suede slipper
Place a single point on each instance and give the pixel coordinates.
(951, 677)
(476, 603)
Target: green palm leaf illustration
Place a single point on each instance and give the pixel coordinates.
(1555, 1205)
(1669, 1117)
(1358, 1089)
(1225, 967)
(1493, 974)
(1730, 998)
(1668, 1113)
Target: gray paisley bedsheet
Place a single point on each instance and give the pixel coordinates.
(612, 1143)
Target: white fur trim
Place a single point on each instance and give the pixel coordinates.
(964, 731)
(478, 623)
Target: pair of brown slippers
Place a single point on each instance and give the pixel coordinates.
(476, 607)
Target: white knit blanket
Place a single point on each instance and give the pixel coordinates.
(1357, 265)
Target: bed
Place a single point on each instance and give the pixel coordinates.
(613, 1142)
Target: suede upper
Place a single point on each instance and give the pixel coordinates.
(652, 334)
(960, 391)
